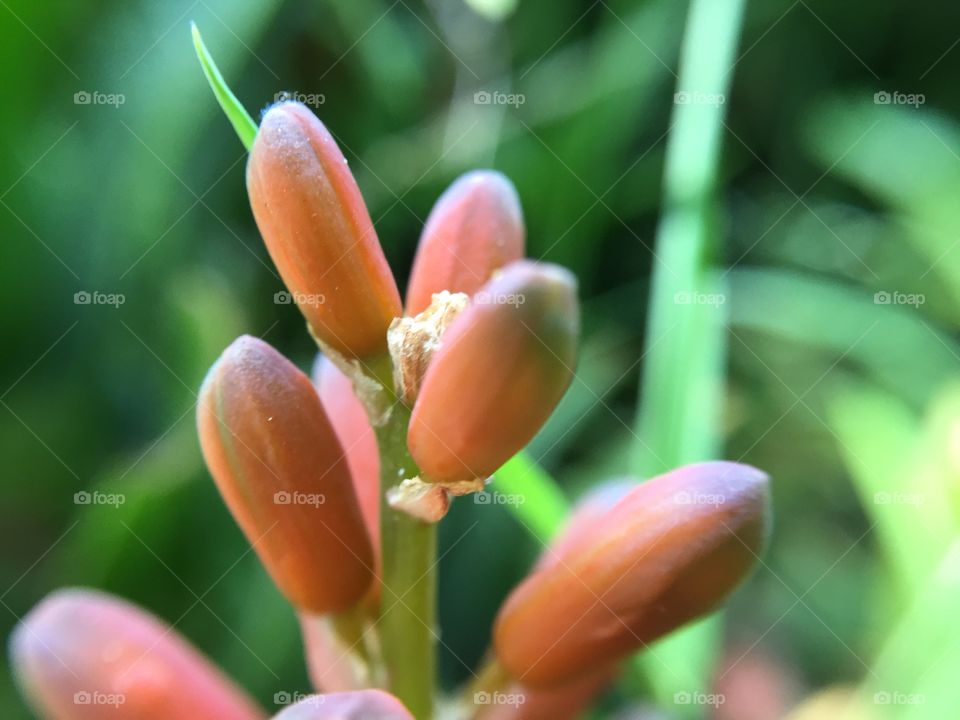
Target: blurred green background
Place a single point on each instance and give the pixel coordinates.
(120, 175)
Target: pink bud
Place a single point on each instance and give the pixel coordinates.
(361, 705)
(85, 655)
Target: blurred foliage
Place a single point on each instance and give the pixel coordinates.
(837, 209)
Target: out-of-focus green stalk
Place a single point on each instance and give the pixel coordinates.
(544, 507)
(682, 383)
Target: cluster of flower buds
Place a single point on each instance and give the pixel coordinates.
(479, 361)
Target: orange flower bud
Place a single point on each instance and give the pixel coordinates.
(561, 702)
(360, 705)
(501, 368)
(85, 655)
(668, 552)
(318, 232)
(356, 435)
(475, 228)
(282, 472)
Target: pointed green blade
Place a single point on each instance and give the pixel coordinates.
(243, 124)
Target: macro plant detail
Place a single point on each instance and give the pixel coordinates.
(338, 480)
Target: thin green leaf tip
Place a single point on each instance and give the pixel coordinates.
(243, 124)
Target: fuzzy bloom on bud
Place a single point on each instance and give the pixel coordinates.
(501, 368)
(282, 471)
(85, 655)
(670, 551)
(475, 228)
(318, 232)
(361, 705)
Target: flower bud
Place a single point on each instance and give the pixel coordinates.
(501, 368)
(318, 232)
(670, 551)
(353, 429)
(282, 471)
(475, 228)
(562, 702)
(84, 655)
(360, 705)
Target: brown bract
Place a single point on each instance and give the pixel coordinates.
(318, 232)
(282, 471)
(500, 370)
(475, 228)
(670, 551)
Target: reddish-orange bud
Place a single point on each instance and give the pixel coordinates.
(475, 228)
(282, 472)
(318, 232)
(84, 655)
(350, 422)
(501, 368)
(360, 705)
(670, 551)
(561, 702)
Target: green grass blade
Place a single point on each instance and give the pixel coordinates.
(682, 383)
(243, 124)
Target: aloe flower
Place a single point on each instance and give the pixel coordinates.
(500, 370)
(475, 228)
(84, 655)
(362, 705)
(282, 472)
(668, 552)
(319, 233)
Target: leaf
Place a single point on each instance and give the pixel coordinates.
(243, 124)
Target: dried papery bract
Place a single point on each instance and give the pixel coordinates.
(361, 705)
(85, 655)
(501, 368)
(282, 472)
(319, 233)
(475, 228)
(670, 551)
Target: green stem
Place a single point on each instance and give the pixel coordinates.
(408, 613)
